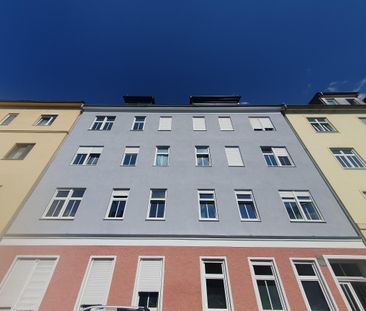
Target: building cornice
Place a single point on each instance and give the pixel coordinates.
(185, 108)
(324, 109)
(29, 104)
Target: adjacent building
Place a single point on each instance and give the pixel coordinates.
(30, 134)
(209, 206)
(333, 129)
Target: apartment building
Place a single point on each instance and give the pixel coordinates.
(213, 205)
(333, 129)
(30, 134)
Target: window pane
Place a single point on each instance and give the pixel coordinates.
(293, 210)
(304, 269)
(206, 196)
(216, 298)
(213, 268)
(262, 270)
(273, 293)
(158, 194)
(315, 296)
(350, 298)
(360, 289)
(310, 211)
(78, 193)
(266, 304)
(55, 208)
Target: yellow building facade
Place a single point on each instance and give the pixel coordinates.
(30, 134)
(333, 129)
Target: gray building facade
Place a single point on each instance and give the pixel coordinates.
(182, 178)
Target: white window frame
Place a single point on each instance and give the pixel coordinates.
(225, 277)
(337, 281)
(260, 122)
(276, 156)
(206, 153)
(157, 199)
(321, 123)
(267, 261)
(197, 126)
(65, 203)
(345, 157)
(105, 123)
(49, 122)
(226, 125)
(157, 152)
(125, 153)
(11, 116)
(167, 126)
(29, 257)
(209, 191)
(239, 154)
(331, 101)
(246, 192)
(295, 194)
(118, 192)
(318, 277)
(138, 122)
(86, 274)
(135, 296)
(23, 155)
(88, 154)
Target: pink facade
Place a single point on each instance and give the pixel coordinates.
(182, 281)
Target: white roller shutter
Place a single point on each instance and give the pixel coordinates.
(26, 284)
(90, 149)
(97, 282)
(233, 156)
(286, 194)
(256, 124)
(165, 123)
(150, 275)
(199, 124)
(37, 285)
(225, 124)
(266, 123)
(280, 152)
(132, 149)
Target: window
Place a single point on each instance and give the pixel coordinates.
(19, 152)
(165, 124)
(353, 101)
(203, 156)
(233, 156)
(261, 124)
(96, 283)
(321, 125)
(8, 119)
(225, 124)
(215, 285)
(157, 204)
(348, 158)
(363, 120)
(246, 205)
(130, 156)
(87, 155)
(351, 277)
(26, 283)
(312, 285)
(331, 101)
(162, 156)
(46, 119)
(138, 124)
(276, 156)
(149, 283)
(117, 204)
(103, 123)
(268, 289)
(300, 206)
(199, 124)
(64, 203)
(207, 205)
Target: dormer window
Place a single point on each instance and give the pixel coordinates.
(342, 101)
(353, 101)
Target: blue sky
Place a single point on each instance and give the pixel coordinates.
(267, 51)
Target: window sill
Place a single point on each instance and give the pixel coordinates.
(208, 220)
(250, 220)
(127, 165)
(283, 166)
(57, 218)
(113, 219)
(155, 219)
(308, 221)
(354, 168)
(203, 165)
